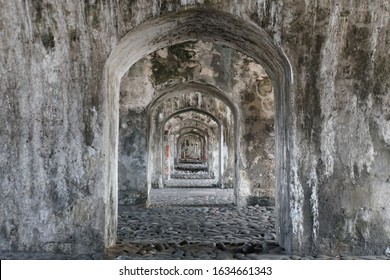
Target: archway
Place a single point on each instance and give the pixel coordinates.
(222, 28)
(200, 113)
(191, 148)
(226, 157)
(177, 133)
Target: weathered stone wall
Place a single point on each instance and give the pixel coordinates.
(342, 99)
(51, 63)
(51, 60)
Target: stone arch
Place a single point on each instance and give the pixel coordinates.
(202, 129)
(199, 136)
(199, 131)
(193, 87)
(202, 112)
(194, 130)
(221, 28)
(216, 93)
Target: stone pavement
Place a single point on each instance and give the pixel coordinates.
(191, 197)
(187, 232)
(190, 183)
(192, 224)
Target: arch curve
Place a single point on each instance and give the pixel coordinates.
(218, 27)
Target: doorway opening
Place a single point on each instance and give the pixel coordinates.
(227, 32)
(197, 112)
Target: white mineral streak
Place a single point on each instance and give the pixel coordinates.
(313, 184)
(328, 71)
(296, 200)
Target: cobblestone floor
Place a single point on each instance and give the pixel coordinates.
(193, 224)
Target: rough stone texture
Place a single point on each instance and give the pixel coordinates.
(58, 148)
(51, 61)
(342, 98)
(198, 232)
